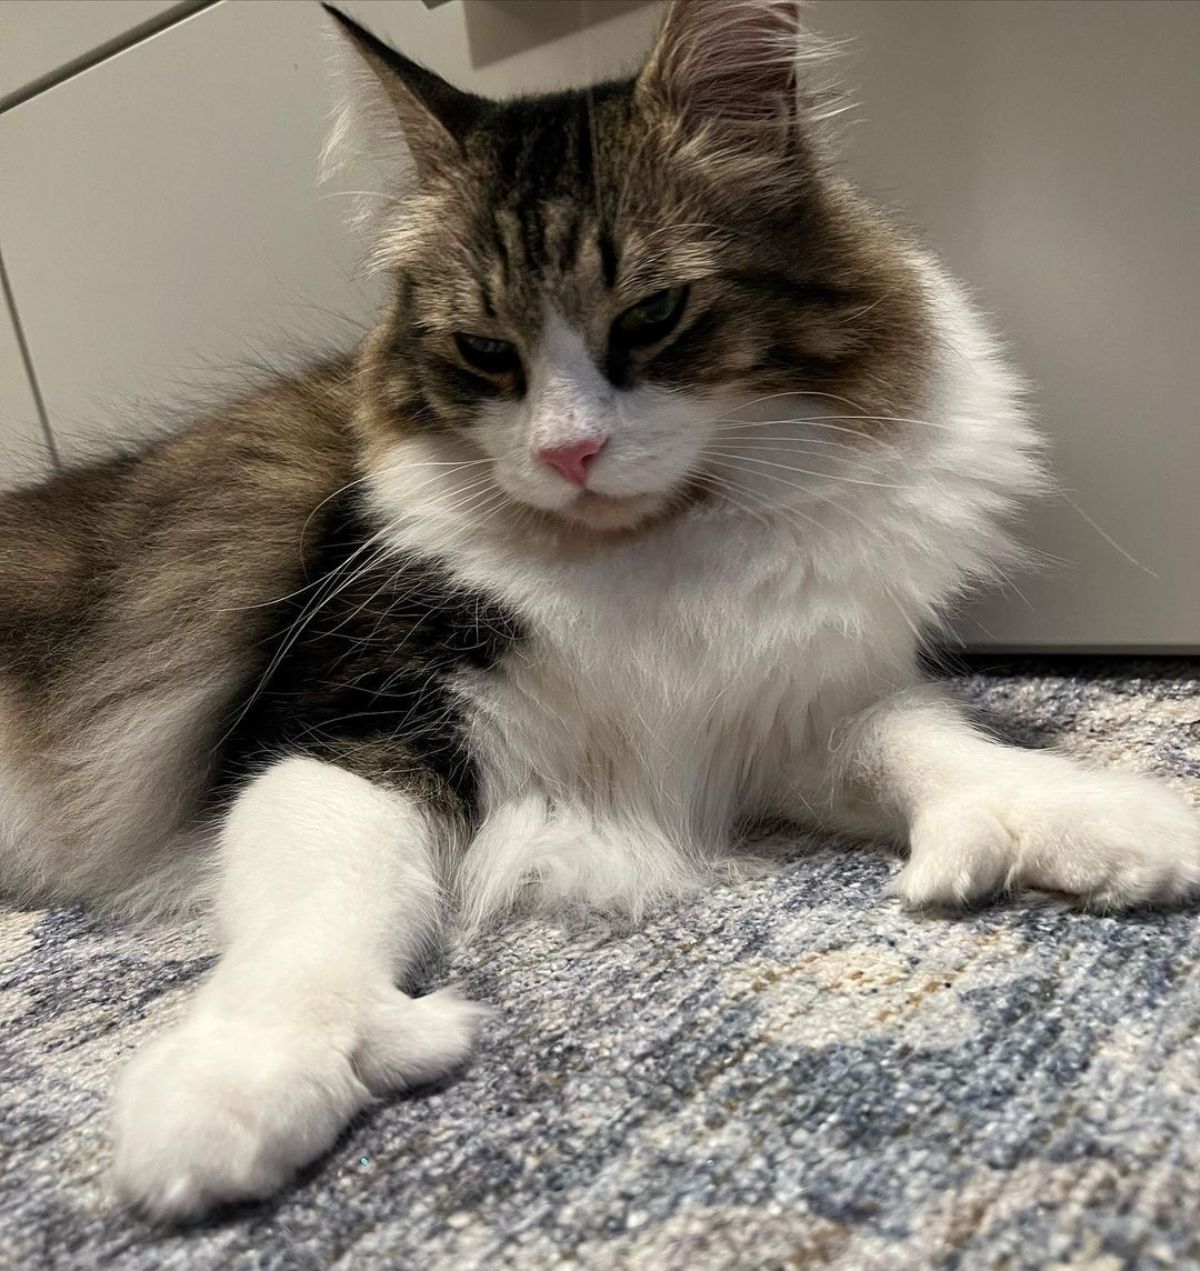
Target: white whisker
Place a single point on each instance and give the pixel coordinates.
(809, 472)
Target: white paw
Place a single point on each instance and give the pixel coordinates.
(1114, 840)
(227, 1109)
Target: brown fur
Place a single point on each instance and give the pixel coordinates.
(133, 579)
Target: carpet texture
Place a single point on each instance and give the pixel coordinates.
(787, 1071)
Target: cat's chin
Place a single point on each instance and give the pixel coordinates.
(612, 512)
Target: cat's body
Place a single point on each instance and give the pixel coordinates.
(175, 619)
(540, 614)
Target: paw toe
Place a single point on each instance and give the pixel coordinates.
(960, 854)
(411, 1041)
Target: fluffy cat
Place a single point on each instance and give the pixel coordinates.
(623, 527)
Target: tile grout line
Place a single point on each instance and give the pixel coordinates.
(102, 52)
(6, 294)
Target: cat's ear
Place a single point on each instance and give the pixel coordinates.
(725, 63)
(431, 116)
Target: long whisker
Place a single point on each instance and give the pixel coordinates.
(838, 507)
(840, 450)
(331, 587)
(776, 510)
(860, 411)
(724, 487)
(808, 472)
(371, 563)
(864, 443)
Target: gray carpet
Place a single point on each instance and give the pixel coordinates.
(786, 1071)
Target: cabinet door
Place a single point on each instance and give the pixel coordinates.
(39, 41)
(23, 454)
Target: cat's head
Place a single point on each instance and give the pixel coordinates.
(595, 289)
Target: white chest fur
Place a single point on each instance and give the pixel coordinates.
(668, 678)
(667, 685)
(698, 670)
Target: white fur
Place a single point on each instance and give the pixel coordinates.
(717, 664)
(651, 439)
(983, 817)
(327, 893)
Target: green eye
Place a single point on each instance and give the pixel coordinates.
(482, 353)
(651, 319)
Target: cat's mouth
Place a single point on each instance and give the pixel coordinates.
(599, 511)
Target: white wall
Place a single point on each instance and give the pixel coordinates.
(1049, 151)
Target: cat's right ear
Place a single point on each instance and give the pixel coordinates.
(721, 64)
(402, 99)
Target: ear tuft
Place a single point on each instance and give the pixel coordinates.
(726, 62)
(433, 116)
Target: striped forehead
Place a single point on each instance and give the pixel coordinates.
(549, 242)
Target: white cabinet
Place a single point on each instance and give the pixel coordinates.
(162, 226)
(166, 226)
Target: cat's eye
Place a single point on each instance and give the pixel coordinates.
(483, 353)
(652, 319)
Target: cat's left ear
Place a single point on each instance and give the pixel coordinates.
(433, 117)
(725, 63)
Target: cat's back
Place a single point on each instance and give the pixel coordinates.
(135, 596)
(201, 514)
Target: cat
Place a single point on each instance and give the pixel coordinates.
(625, 525)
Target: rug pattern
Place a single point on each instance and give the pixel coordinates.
(787, 1071)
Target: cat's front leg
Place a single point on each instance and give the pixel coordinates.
(981, 817)
(328, 890)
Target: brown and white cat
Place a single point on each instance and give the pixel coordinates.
(624, 525)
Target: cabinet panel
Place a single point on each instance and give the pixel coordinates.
(173, 229)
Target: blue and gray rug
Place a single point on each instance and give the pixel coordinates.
(786, 1072)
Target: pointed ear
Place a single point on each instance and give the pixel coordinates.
(725, 62)
(433, 116)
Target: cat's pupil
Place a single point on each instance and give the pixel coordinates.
(650, 320)
(657, 307)
(487, 354)
(480, 344)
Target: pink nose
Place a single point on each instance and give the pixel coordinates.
(572, 461)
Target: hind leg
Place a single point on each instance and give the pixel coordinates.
(327, 893)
